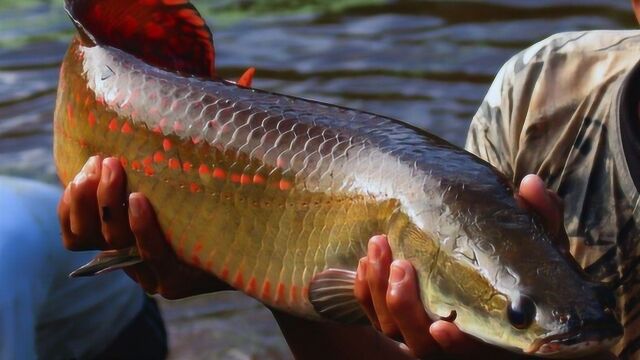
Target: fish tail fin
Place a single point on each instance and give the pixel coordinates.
(169, 34)
(109, 260)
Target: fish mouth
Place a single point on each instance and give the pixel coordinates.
(588, 339)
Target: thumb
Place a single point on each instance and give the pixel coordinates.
(534, 196)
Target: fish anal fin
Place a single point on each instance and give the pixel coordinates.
(247, 77)
(331, 294)
(169, 34)
(109, 260)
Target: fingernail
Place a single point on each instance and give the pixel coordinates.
(362, 269)
(135, 207)
(374, 252)
(80, 177)
(89, 167)
(66, 196)
(535, 180)
(397, 274)
(441, 336)
(106, 171)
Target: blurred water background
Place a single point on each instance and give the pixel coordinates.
(426, 62)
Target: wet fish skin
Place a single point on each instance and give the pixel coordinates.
(268, 192)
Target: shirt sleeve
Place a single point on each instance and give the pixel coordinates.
(490, 135)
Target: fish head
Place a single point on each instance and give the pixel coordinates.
(504, 281)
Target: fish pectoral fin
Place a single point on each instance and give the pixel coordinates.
(247, 77)
(108, 260)
(331, 294)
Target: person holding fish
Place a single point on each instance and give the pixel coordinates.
(565, 109)
(46, 315)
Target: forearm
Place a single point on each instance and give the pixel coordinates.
(323, 340)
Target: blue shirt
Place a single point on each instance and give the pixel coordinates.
(44, 313)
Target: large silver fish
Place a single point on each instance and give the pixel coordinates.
(278, 195)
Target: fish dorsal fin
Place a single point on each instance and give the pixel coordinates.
(169, 34)
(331, 294)
(246, 78)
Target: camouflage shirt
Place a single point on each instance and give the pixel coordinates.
(567, 109)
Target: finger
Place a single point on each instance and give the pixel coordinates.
(362, 293)
(153, 248)
(379, 256)
(112, 203)
(144, 276)
(459, 345)
(534, 193)
(405, 306)
(83, 220)
(69, 239)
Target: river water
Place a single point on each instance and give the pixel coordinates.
(428, 63)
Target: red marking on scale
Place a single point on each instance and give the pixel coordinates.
(251, 287)
(178, 126)
(91, 119)
(196, 140)
(163, 123)
(209, 264)
(123, 161)
(280, 292)
(266, 290)
(219, 173)
(225, 273)
(166, 144)
(126, 128)
(235, 177)
(258, 179)
(245, 179)
(193, 187)
(198, 246)
(174, 164)
(100, 100)
(158, 157)
(293, 294)
(238, 282)
(69, 112)
(157, 129)
(186, 166)
(203, 170)
(147, 161)
(148, 170)
(135, 165)
(113, 125)
(285, 185)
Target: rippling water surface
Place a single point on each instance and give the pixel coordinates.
(428, 63)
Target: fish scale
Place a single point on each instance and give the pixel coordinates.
(278, 195)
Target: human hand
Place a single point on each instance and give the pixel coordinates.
(95, 212)
(388, 291)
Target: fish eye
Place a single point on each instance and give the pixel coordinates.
(521, 312)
